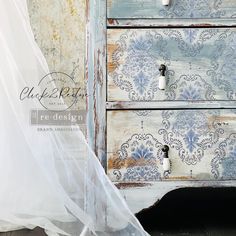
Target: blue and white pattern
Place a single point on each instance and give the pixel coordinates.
(223, 59)
(140, 153)
(139, 74)
(190, 88)
(188, 132)
(190, 41)
(208, 56)
(194, 9)
(142, 173)
(224, 163)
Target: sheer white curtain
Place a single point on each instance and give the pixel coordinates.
(42, 181)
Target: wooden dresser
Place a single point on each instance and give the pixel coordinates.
(164, 76)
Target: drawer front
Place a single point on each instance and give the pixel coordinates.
(202, 144)
(201, 64)
(188, 9)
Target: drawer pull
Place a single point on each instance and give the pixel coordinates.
(166, 160)
(162, 78)
(165, 2)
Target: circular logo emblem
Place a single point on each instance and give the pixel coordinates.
(58, 91)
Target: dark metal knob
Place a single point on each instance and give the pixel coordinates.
(165, 150)
(162, 70)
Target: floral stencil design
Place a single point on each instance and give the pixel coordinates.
(188, 132)
(223, 60)
(138, 75)
(224, 163)
(139, 155)
(190, 88)
(194, 9)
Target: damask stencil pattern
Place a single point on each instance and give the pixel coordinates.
(194, 9)
(190, 133)
(177, 9)
(201, 144)
(137, 75)
(223, 73)
(200, 64)
(224, 162)
(139, 155)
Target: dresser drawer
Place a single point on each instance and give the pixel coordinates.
(202, 144)
(187, 9)
(201, 64)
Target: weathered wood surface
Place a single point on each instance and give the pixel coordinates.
(202, 144)
(96, 77)
(160, 105)
(173, 22)
(200, 64)
(188, 9)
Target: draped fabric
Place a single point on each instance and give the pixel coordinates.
(49, 179)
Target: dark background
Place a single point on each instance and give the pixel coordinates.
(193, 211)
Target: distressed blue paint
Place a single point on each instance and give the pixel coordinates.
(223, 60)
(186, 9)
(142, 152)
(190, 93)
(141, 82)
(229, 165)
(191, 139)
(190, 88)
(189, 134)
(225, 159)
(201, 64)
(191, 34)
(142, 173)
(199, 141)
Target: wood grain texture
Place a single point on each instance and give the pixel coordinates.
(160, 105)
(202, 144)
(200, 64)
(172, 23)
(188, 9)
(96, 77)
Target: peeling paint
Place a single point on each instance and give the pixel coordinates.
(127, 185)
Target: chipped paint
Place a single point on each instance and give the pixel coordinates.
(132, 185)
(139, 9)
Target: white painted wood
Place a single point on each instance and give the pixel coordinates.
(96, 77)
